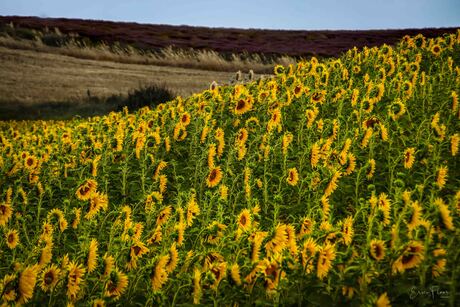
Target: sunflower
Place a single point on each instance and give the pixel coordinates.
(8, 288)
(163, 183)
(385, 206)
(351, 164)
(197, 292)
(383, 301)
(164, 215)
(161, 166)
(241, 136)
(409, 157)
(279, 70)
(235, 274)
(76, 272)
(414, 219)
(344, 153)
(27, 281)
(223, 192)
(50, 278)
(366, 138)
(347, 231)
(214, 177)
(173, 259)
(30, 162)
(397, 109)
(211, 155)
(92, 256)
(377, 249)
(298, 89)
(244, 220)
(311, 115)
(98, 303)
(286, 141)
(242, 106)
(157, 236)
(86, 190)
(137, 249)
(256, 238)
(436, 50)
(332, 185)
(325, 206)
(318, 97)
(293, 176)
(47, 252)
(371, 171)
(441, 177)
(185, 119)
(326, 256)
(193, 210)
(109, 263)
(6, 211)
(412, 256)
(356, 69)
(454, 140)
(116, 285)
(159, 275)
(76, 221)
(275, 120)
(291, 241)
(306, 227)
(308, 252)
(315, 155)
(440, 266)
(454, 102)
(218, 271)
(272, 274)
(152, 199)
(12, 238)
(278, 241)
(97, 202)
(220, 138)
(444, 212)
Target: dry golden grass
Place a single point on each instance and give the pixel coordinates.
(30, 77)
(185, 58)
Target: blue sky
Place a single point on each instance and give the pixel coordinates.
(269, 14)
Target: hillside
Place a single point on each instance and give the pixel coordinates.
(333, 182)
(226, 41)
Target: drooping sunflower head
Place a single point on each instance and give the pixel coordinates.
(377, 249)
(116, 285)
(9, 287)
(411, 257)
(327, 254)
(242, 136)
(92, 255)
(27, 281)
(86, 190)
(292, 177)
(307, 226)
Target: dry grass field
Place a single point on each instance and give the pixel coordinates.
(31, 78)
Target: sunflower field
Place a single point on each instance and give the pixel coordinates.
(332, 182)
